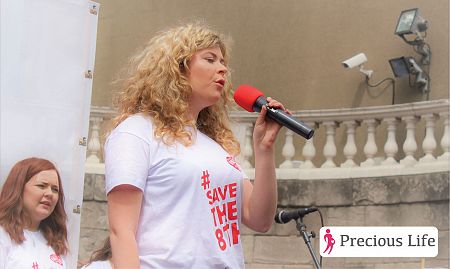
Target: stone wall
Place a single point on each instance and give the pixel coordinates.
(410, 200)
(94, 216)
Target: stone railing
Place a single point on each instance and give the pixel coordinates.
(400, 139)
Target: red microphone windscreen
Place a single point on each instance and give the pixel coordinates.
(245, 96)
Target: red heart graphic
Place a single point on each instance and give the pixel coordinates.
(233, 163)
(56, 258)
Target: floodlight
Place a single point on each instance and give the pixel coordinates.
(407, 66)
(410, 22)
(399, 67)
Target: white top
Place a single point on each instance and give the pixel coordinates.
(98, 265)
(33, 253)
(191, 208)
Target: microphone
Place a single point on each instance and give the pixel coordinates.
(286, 216)
(251, 99)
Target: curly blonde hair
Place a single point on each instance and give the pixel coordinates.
(156, 85)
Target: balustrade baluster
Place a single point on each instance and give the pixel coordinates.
(288, 150)
(370, 148)
(94, 146)
(350, 146)
(309, 151)
(445, 143)
(329, 150)
(429, 142)
(391, 147)
(410, 145)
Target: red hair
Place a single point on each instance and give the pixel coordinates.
(12, 215)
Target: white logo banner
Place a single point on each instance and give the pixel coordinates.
(377, 241)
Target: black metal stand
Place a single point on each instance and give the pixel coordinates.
(301, 227)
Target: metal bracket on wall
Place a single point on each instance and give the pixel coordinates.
(77, 210)
(82, 141)
(93, 10)
(88, 74)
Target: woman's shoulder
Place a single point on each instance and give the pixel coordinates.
(138, 124)
(5, 239)
(136, 121)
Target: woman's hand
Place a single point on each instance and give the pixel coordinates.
(260, 199)
(266, 129)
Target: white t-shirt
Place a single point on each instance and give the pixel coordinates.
(191, 208)
(98, 265)
(33, 253)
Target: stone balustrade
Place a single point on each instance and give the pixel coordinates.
(399, 139)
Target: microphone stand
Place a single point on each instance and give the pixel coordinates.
(301, 227)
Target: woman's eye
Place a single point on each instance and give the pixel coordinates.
(55, 190)
(210, 60)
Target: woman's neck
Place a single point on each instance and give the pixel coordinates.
(32, 226)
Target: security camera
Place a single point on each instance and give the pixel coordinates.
(356, 60)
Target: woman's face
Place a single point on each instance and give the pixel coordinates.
(206, 77)
(40, 196)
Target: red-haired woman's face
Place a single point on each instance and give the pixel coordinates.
(40, 196)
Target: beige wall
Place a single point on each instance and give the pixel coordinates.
(287, 47)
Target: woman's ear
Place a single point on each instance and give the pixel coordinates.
(183, 65)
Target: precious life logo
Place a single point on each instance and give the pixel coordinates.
(378, 241)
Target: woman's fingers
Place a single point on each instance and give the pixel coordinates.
(262, 115)
(275, 104)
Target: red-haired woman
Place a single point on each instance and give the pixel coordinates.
(33, 231)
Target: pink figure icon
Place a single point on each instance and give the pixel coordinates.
(330, 241)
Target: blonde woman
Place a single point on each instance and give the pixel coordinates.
(176, 197)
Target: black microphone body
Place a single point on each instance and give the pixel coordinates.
(286, 216)
(284, 119)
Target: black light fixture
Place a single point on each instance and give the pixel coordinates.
(407, 66)
(412, 27)
(399, 67)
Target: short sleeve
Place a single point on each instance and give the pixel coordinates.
(127, 160)
(2, 256)
(5, 245)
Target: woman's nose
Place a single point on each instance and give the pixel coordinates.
(48, 192)
(223, 69)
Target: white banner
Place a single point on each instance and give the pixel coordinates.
(47, 46)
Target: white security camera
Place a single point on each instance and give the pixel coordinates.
(356, 60)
